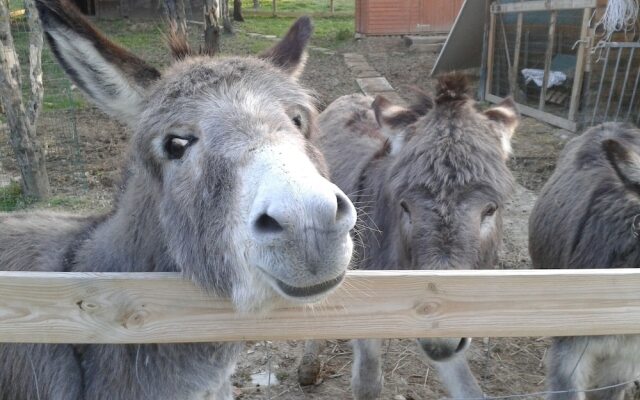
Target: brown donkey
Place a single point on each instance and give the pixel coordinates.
(222, 184)
(432, 180)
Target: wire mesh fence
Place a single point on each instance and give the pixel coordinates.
(56, 125)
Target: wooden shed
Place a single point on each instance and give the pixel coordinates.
(398, 17)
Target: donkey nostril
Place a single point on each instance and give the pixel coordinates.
(343, 206)
(267, 224)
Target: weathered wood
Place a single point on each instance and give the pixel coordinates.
(275, 7)
(22, 113)
(156, 307)
(580, 65)
(553, 19)
(490, 53)
(224, 13)
(332, 7)
(541, 5)
(537, 114)
(513, 76)
(211, 27)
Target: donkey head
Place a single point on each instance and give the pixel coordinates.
(447, 182)
(221, 159)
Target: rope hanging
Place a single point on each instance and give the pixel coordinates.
(620, 15)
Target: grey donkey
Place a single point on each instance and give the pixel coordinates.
(222, 185)
(587, 216)
(432, 181)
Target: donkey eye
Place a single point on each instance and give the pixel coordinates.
(297, 121)
(175, 146)
(489, 210)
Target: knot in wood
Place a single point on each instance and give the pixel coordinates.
(135, 319)
(87, 306)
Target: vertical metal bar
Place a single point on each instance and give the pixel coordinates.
(547, 59)
(604, 70)
(613, 83)
(624, 83)
(633, 95)
(516, 58)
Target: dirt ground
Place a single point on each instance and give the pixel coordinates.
(502, 366)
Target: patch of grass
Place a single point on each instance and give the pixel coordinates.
(328, 31)
(302, 6)
(67, 203)
(11, 197)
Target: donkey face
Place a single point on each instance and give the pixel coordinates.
(448, 181)
(221, 154)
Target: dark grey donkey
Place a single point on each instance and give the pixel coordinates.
(588, 216)
(222, 185)
(432, 180)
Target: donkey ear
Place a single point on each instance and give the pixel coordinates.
(423, 101)
(289, 53)
(506, 114)
(393, 121)
(111, 76)
(624, 161)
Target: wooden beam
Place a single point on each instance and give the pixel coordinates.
(537, 114)
(490, 53)
(161, 308)
(580, 64)
(513, 78)
(553, 19)
(541, 5)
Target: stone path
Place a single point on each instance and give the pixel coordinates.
(370, 81)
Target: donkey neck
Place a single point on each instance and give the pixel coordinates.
(130, 239)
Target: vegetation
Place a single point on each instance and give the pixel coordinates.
(11, 197)
(308, 6)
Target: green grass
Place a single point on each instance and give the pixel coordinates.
(11, 197)
(303, 6)
(328, 31)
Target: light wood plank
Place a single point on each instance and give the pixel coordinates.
(146, 308)
(513, 79)
(547, 59)
(580, 64)
(542, 5)
(490, 53)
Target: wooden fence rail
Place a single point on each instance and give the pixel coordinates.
(152, 307)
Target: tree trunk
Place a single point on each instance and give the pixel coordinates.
(256, 4)
(20, 118)
(211, 27)
(226, 20)
(237, 11)
(175, 12)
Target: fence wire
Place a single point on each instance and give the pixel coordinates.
(56, 126)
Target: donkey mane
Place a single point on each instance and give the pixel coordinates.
(452, 144)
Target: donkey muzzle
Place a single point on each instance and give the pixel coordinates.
(443, 349)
